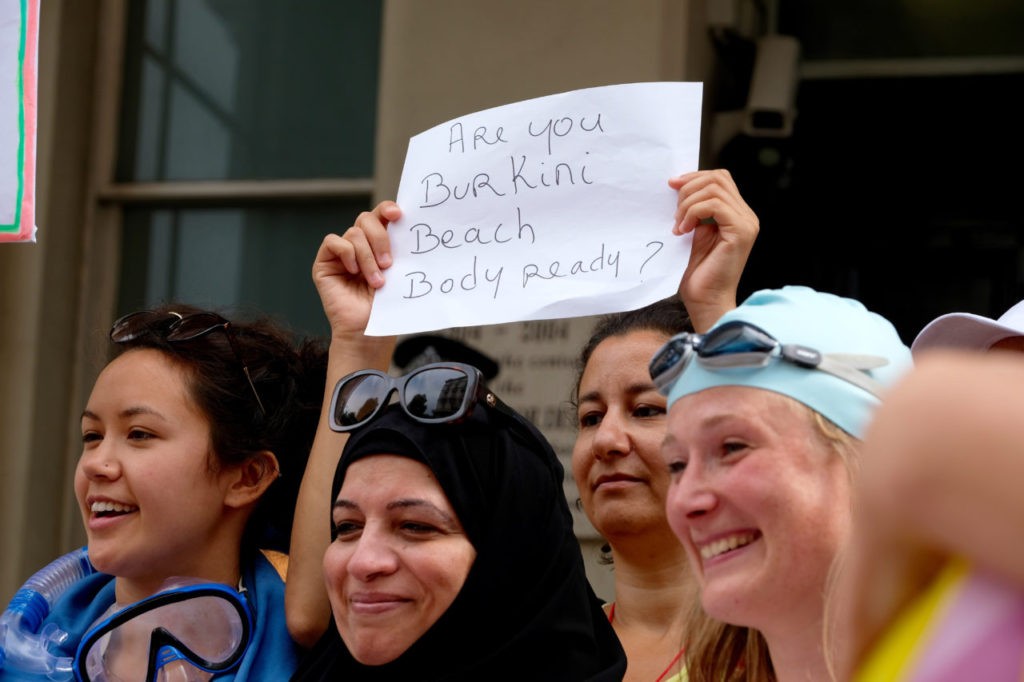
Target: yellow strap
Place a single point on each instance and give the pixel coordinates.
(894, 655)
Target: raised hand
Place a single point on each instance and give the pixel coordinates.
(349, 268)
(724, 229)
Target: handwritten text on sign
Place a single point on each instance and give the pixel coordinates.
(551, 207)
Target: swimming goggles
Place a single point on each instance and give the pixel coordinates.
(185, 633)
(437, 393)
(176, 327)
(739, 344)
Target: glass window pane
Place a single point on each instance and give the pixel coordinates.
(223, 89)
(250, 260)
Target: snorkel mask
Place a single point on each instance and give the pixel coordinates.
(187, 632)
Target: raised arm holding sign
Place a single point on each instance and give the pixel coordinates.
(349, 271)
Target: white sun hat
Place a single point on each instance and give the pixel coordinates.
(970, 331)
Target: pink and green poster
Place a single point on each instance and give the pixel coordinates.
(19, 31)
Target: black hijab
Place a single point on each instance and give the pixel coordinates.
(526, 610)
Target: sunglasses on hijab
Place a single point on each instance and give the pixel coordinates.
(437, 393)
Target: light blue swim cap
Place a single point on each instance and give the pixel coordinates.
(824, 322)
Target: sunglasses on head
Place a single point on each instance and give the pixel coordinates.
(438, 393)
(175, 327)
(739, 344)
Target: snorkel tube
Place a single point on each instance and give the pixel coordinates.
(23, 646)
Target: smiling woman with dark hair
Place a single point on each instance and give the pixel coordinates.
(453, 555)
(194, 437)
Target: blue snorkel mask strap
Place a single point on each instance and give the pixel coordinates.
(192, 626)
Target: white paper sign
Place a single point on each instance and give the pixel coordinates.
(552, 207)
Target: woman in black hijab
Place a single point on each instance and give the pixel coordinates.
(525, 610)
